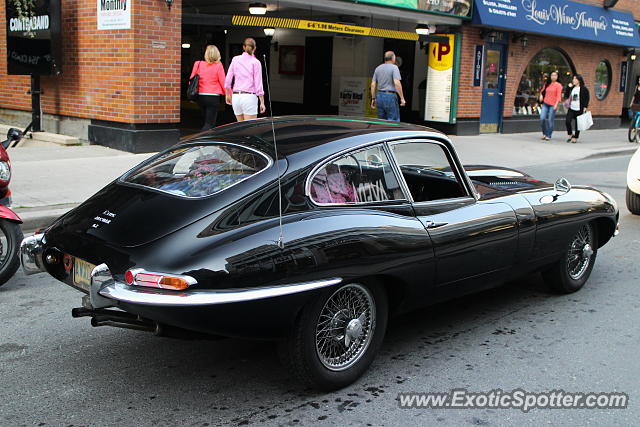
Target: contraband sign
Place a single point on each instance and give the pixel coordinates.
(34, 37)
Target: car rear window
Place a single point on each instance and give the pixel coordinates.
(199, 170)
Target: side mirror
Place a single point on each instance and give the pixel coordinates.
(13, 135)
(562, 186)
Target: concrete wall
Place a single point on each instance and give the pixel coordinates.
(64, 125)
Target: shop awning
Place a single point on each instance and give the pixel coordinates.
(559, 18)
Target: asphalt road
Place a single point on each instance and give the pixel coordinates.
(55, 370)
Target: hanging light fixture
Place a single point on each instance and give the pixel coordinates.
(422, 30)
(269, 32)
(186, 45)
(257, 8)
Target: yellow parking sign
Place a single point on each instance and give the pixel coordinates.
(441, 55)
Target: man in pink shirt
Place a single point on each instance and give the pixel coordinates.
(244, 83)
(551, 97)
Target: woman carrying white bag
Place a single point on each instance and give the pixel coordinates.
(578, 103)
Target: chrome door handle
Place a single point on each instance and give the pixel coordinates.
(433, 224)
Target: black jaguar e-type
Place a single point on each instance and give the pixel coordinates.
(314, 240)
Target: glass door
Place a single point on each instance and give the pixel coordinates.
(493, 88)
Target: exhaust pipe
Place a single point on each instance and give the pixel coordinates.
(121, 319)
(118, 319)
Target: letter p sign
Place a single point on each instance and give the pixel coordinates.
(440, 50)
(441, 55)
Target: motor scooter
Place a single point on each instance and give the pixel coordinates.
(10, 231)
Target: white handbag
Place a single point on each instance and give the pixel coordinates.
(585, 121)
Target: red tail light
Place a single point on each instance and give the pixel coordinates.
(140, 277)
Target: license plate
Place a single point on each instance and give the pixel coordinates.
(82, 274)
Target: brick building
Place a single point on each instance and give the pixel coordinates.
(598, 60)
(125, 87)
(121, 84)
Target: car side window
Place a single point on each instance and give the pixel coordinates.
(428, 171)
(362, 176)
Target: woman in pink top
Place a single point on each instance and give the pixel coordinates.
(210, 84)
(551, 96)
(244, 83)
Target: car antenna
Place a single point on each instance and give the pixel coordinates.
(275, 147)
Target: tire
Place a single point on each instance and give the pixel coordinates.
(572, 271)
(308, 356)
(632, 134)
(10, 239)
(633, 202)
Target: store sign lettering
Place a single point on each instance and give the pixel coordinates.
(114, 14)
(477, 66)
(561, 16)
(623, 76)
(25, 59)
(113, 4)
(335, 28)
(36, 23)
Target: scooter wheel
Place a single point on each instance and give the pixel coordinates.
(10, 239)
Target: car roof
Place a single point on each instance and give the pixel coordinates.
(295, 134)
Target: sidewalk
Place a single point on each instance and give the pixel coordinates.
(526, 149)
(47, 182)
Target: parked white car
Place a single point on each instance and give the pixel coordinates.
(633, 184)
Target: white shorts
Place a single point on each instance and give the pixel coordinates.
(244, 104)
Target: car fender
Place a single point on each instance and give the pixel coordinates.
(7, 213)
(633, 173)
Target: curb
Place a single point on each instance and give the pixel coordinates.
(40, 217)
(611, 153)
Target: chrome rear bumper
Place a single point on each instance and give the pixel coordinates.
(31, 250)
(105, 291)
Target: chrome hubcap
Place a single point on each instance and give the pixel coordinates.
(354, 331)
(580, 253)
(345, 327)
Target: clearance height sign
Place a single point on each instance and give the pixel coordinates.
(302, 24)
(440, 100)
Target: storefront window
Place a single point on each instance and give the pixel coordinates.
(603, 79)
(534, 78)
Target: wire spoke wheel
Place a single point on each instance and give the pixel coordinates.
(345, 327)
(580, 252)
